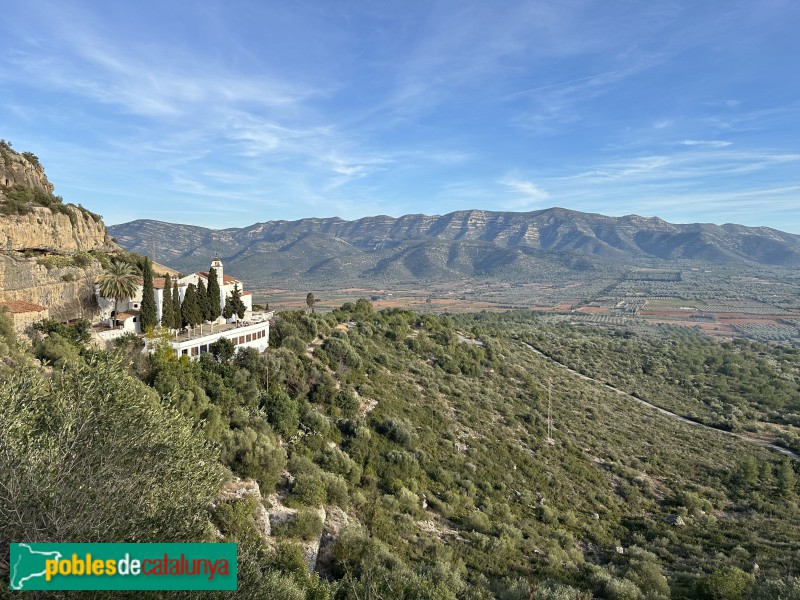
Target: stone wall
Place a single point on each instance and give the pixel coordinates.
(23, 320)
(67, 292)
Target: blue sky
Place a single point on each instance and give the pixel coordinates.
(226, 113)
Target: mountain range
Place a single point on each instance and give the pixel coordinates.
(473, 243)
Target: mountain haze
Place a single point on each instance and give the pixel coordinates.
(455, 245)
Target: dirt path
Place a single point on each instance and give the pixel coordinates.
(666, 412)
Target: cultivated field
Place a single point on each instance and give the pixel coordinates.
(719, 302)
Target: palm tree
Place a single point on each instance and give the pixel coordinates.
(118, 282)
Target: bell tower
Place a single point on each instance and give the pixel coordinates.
(216, 264)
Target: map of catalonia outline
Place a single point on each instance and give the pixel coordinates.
(16, 582)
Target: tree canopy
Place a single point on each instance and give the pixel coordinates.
(148, 315)
(92, 455)
(177, 318)
(191, 311)
(214, 295)
(119, 281)
(234, 304)
(167, 319)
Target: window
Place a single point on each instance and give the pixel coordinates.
(249, 337)
(203, 349)
(241, 339)
(194, 351)
(185, 352)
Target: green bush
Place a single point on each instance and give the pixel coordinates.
(288, 558)
(309, 490)
(91, 455)
(727, 583)
(307, 525)
(82, 259)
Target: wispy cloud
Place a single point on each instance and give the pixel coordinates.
(706, 143)
(526, 194)
(305, 109)
(560, 84)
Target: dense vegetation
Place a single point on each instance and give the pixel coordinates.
(734, 385)
(430, 433)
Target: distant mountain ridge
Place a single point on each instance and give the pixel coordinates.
(456, 245)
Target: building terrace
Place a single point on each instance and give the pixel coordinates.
(252, 333)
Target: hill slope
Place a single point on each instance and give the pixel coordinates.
(456, 245)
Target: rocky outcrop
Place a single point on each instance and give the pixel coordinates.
(238, 489)
(21, 170)
(43, 229)
(66, 230)
(68, 292)
(335, 523)
(318, 553)
(36, 232)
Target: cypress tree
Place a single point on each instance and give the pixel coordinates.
(148, 314)
(190, 309)
(238, 303)
(234, 304)
(177, 320)
(203, 301)
(228, 311)
(166, 303)
(213, 294)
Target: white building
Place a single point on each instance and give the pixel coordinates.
(252, 331)
(193, 343)
(226, 284)
(125, 313)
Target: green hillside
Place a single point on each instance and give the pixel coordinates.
(430, 433)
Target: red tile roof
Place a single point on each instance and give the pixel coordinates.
(20, 306)
(226, 279)
(158, 282)
(127, 315)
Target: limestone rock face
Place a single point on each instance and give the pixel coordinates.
(318, 553)
(247, 488)
(41, 228)
(335, 522)
(67, 292)
(18, 169)
(56, 232)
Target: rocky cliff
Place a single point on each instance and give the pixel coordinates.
(318, 552)
(56, 232)
(40, 237)
(21, 169)
(67, 291)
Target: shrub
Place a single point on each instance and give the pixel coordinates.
(307, 525)
(91, 455)
(727, 583)
(309, 490)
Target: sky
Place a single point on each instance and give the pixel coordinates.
(227, 113)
